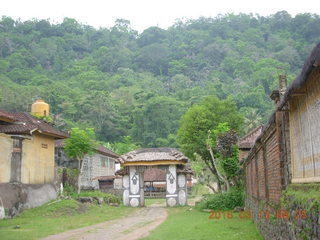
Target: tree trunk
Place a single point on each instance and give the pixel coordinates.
(80, 172)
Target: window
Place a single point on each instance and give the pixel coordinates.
(103, 161)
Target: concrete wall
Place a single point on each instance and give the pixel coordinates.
(38, 160)
(17, 197)
(6, 145)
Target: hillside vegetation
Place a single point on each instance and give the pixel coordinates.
(127, 84)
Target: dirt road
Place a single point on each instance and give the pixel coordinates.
(134, 226)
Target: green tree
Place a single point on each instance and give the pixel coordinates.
(80, 143)
(199, 120)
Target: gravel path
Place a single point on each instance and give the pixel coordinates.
(132, 227)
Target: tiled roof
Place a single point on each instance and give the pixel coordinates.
(154, 154)
(101, 149)
(7, 117)
(247, 142)
(105, 178)
(26, 124)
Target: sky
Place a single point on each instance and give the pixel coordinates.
(145, 13)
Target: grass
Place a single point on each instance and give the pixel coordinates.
(199, 190)
(56, 217)
(196, 225)
(151, 201)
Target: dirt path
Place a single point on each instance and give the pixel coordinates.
(132, 227)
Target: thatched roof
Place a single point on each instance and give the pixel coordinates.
(153, 155)
(310, 64)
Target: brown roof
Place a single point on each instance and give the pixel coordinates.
(310, 64)
(247, 142)
(7, 117)
(26, 124)
(153, 154)
(101, 149)
(105, 178)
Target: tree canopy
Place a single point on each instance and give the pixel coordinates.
(127, 84)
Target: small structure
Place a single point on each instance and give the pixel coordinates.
(98, 168)
(169, 160)
(27, 177)
(27, 149)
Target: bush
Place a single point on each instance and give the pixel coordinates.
(223, 201)
(107, 197)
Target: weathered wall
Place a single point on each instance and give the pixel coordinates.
(6, 145)
(95, 166)
(38, 160)
(305, 131)
(295, 227)
(17, 197)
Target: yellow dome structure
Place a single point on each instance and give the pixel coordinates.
(40, 108)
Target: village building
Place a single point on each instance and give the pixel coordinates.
(287, 155)
(27, 157)
(98, 168)
(169, 160)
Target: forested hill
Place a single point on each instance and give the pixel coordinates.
(127, 84)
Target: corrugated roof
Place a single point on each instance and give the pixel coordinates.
(25, 124)
(153, 154)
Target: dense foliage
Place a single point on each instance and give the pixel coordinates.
(127, 84)
(223, 200)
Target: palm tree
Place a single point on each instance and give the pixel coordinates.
(252, 119)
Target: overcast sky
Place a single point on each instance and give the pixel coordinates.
(145, 13)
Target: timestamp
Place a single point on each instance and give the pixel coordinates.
(280, 214)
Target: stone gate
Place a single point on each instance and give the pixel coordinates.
(170, 160)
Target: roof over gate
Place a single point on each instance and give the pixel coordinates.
(153, 156)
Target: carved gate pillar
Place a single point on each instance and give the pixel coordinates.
(136, 184)
(182, 189)
(172, 190)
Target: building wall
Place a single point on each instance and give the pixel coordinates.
(264, 167)
(305, 132)
(95, 166)
(38, 160)
(6, 147)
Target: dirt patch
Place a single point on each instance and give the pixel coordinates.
(132, 227)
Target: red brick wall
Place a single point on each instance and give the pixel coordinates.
(264, 165)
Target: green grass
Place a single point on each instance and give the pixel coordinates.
(196, 225)
(56, 217)
(199, 190)
(151, 201)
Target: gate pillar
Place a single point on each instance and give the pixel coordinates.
(136, 191)
(171, 182)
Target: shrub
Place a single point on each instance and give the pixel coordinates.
(223, 201)
(107, 197)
